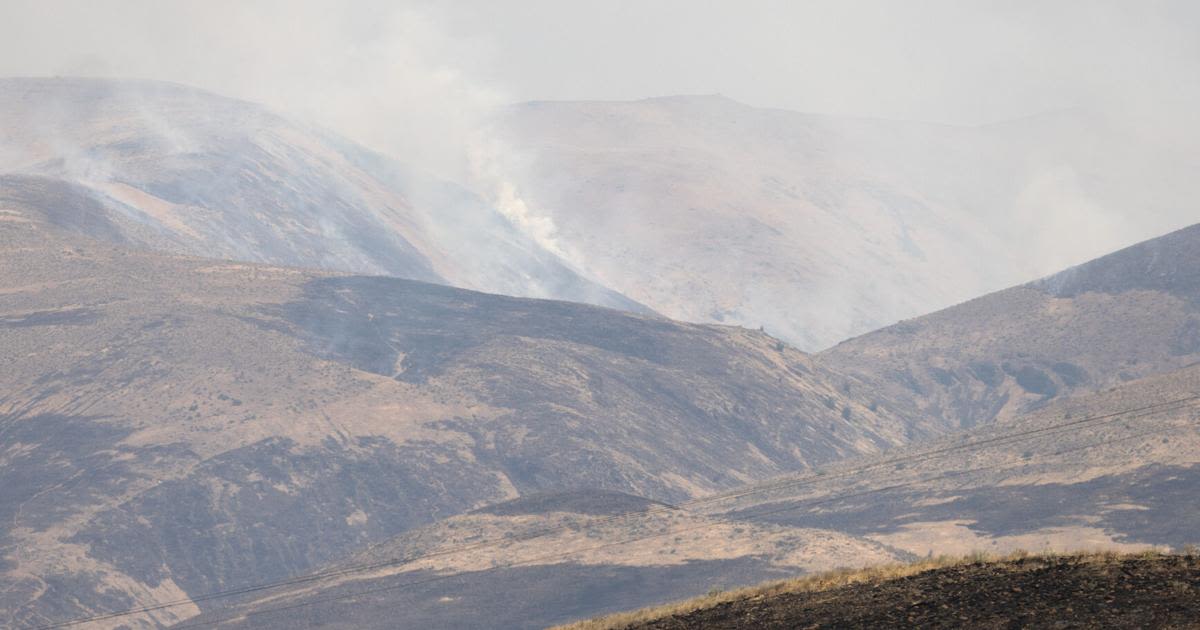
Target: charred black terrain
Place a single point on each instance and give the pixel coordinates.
(1054, 592)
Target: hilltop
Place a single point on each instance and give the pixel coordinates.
(234, 423)
(174, 169)
(822, 227)
(1128, 315)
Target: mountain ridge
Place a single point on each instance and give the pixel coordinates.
(182, 170)
(234, 423)
(820, 228)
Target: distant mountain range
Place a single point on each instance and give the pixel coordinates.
(179, 170)
(813, 227)
(821, 228)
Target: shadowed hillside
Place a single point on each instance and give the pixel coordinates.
(176, 426)
(1129, 315)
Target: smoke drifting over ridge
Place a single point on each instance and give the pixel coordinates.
(386, 76)
(415, 81)
(373, 64)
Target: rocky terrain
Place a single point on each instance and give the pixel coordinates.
(1028, 592)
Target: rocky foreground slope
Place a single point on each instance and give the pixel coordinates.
(1090, 591)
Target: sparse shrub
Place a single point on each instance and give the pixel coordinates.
(846, 412)
(979, 557)
(1035, 381)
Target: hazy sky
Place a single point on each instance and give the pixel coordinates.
(424, 65)
(414, 78)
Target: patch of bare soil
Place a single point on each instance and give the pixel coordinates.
(1062, 592)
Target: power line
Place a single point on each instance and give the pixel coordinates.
(753, 490)
(549, 558)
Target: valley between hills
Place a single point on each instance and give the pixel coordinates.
(253, 378)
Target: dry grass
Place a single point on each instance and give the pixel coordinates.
(828, 581)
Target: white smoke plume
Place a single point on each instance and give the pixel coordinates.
(416, 79)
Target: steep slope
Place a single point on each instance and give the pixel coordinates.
(818, 227)
(1131, 314)
(174, 425)
(183, 171)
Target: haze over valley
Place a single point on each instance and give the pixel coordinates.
(378, 316)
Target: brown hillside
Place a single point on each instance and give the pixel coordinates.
(174, 426)
(1129, 315)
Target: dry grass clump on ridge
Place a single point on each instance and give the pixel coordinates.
(836, 579)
